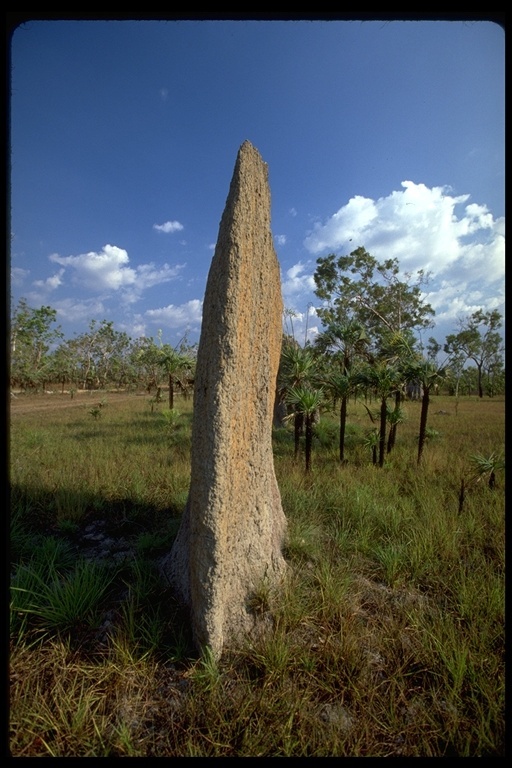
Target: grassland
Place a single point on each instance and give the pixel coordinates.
(387, 638)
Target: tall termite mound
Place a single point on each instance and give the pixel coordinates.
(233, 528)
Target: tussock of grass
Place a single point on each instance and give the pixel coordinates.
(385, 640)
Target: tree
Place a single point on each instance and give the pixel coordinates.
(478, 340)
(344, 342)
(395, 417)
(358, 287)
(306, 401)
(31, 336)
(297, 369)
(383, 378)
(428, 373)
(177, 364)
(145, 358)
(110, 350)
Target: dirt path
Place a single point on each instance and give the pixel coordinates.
(21, 403)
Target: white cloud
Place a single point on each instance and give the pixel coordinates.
(298, 281)
(172, 316)
(460, 243)
(424, 228)
(77, 311)
(169, 226)
(18, 276)
(51, 283)
(108, 271)
(104, 271)
(281, 239)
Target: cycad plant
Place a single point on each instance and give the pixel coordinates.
(306, 401)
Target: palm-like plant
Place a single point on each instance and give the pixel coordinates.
(306, 402)
(488, 466)
(384, 379)
(297, 369)
(340, 386)
(372, 441)
(344, 341)
(395, 417)
(428, 373)
(177, 365)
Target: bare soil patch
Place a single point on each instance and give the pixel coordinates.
(22, 403)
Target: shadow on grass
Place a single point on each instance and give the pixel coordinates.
(127, 540)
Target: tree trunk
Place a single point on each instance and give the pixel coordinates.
(309, 441)
(343, 421)
(298, 428)
(171, 392)
(423, 421)
(382, 434)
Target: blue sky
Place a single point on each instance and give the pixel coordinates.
(124, 135)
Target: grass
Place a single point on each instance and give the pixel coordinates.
(386, 640)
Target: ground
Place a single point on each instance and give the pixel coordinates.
(24, 403)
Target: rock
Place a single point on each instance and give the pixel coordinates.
(233, 527)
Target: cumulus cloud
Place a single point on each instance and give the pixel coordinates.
(424, 228)
(109, 271)
(172, 316)
(168, 226)
(281, 239)
(459, 242)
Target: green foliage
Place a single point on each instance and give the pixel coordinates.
(357, 288)
(478, 340)
(32, 334)
(58, 598)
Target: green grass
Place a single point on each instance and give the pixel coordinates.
(386, 639)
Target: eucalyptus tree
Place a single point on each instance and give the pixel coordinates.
(64, 366)
(478, 340)
(144, 356)
(110, 350)
(32, 334)
(99, 356)
(358, 287)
